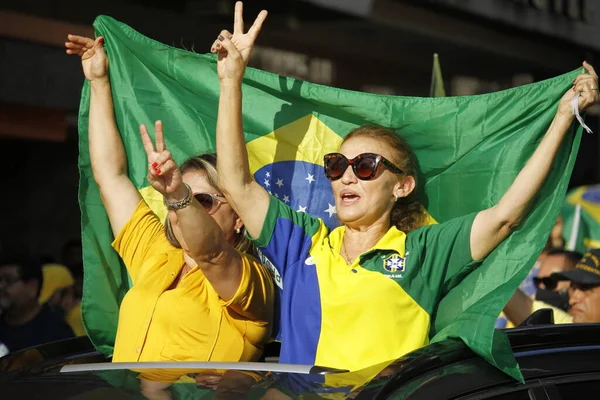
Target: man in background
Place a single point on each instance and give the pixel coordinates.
(584, 288)
(550, 293)
(24, 322)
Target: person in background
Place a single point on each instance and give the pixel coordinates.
(550, 293)
(56, 277)
(584, 288)
(549, 290)
(25, 322)
(60, 293)
(528, 287)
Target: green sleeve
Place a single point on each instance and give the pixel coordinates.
(443, 252)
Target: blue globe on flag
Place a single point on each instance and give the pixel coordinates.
(301, 185)
(288, 163)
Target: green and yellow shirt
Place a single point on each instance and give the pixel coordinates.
(375, 310)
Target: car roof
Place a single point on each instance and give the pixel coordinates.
(450, 370)
(444, 370)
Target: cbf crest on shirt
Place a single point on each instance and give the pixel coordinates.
(394, 264)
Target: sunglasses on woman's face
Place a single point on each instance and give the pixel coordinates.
(549, 283)
(209, 201)
(364, 165)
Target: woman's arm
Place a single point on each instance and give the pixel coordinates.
(495, 224)
(203, 238)
(107, 154)
(248, 199)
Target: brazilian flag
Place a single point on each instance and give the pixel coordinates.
(470, 150)
(581, 216)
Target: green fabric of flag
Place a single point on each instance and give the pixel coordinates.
(437, 82)
(470, 150)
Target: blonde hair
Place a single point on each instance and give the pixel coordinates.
(207, 163)
(408, 212)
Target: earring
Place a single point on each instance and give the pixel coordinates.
(396, 197)
(237, 230)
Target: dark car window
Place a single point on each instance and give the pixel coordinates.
(578, 390)
(520, 395)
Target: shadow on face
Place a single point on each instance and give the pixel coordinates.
(14, 291)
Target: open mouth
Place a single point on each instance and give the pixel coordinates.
(348, 197)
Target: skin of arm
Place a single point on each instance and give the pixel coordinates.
(107, 154)
(248, 199)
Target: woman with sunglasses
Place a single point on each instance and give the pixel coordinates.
(197, 293)
(363, 293)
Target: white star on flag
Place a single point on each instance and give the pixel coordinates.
(301, 209)
(286, 198)
(268, 174)
(276, 195)
(267, 184)
(279, 182)
(330, 210)
(310, 178)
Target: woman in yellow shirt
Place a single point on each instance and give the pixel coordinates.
(199, 299)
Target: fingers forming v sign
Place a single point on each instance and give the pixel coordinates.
(242, 41)
(234, 49)
(163, 172)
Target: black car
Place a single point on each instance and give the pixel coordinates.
(557, 361)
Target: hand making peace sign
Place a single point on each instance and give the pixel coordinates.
(163, 172)
(233, 50)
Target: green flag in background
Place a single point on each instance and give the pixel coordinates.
(437, 82)
(470, 150)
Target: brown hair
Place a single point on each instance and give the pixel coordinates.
(408, 212)
(207, 163)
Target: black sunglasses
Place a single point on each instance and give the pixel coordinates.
(548, 282)
(364, 165)
(209, 201)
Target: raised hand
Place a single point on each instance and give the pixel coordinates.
(93, 57)
(587, 85)
(233, 50)
(163, 173)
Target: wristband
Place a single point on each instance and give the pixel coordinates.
(178, 205)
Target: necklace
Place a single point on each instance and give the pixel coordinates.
(347, 258)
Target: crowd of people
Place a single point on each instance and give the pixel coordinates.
(199, 291)
(565, 281)
(40, 299)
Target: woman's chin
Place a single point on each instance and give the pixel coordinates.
(348, 216)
